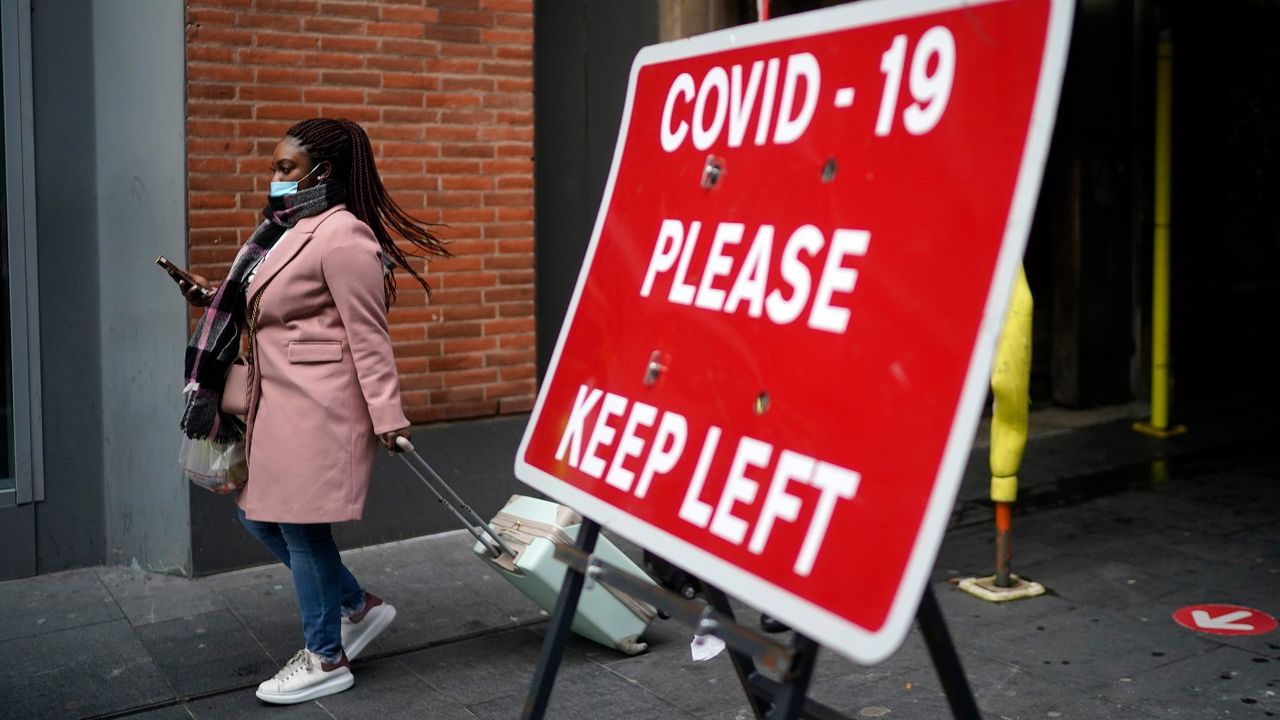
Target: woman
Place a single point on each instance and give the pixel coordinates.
(310, 289)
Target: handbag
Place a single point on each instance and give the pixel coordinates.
(235, 391)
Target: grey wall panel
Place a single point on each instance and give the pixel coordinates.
(582, 59)
(474, 457)
(139, 91)
(69, 523)
(17, 526)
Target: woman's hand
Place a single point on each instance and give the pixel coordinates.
(198, 293)
(389, 438)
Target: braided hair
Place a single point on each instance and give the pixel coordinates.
(345, 145)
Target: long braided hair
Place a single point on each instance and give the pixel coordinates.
(345, 145)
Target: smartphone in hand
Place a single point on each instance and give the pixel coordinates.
(179, 275)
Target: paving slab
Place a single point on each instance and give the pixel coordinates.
(243, 705)
(78, 672)
(49, 603)
(168, 712)
(388, 690)
(207, 652)
(476, 671)
(268, 609)
(146, 597)
(1090, 648)
(1222, 683)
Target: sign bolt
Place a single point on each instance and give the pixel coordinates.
(654, 368)
(762, 402)
(711, 172)
(829, 170)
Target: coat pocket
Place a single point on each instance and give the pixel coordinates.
(315, 351)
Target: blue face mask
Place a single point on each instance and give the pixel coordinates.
(288, 187)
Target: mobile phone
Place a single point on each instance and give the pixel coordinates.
(177, 273)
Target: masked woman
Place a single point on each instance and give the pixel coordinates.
(310, 289)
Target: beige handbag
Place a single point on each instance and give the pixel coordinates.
(235, 391)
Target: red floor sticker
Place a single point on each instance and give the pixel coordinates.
(1225, 619)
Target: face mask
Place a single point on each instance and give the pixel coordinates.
(288, 187)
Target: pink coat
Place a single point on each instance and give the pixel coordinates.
(324, 382)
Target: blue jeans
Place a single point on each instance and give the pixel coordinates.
(326, 590)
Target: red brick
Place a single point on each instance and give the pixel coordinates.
(333, 60)
(334, 25)
(451, 33)
(271, 93)
(210, 53)
(348, 43)
(309, 7)
(209, 15)
(334, 95)
(522, 20)
(288, 76)
(410, 115)
(211, 91)
(397, 29)
(198, 145)
(413, 81)
(455, 362)
(502, 36)
(513, 6)
(508, 294)
(220, 36)
(515, 405)
(395, 62)
(293, 41)
(475, 376)
(410, 14)
(513, 52)
(226, 110)
(350, 9)
(278, 23)
(362, 78)
(399, 98)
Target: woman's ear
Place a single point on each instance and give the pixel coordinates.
(324, 174)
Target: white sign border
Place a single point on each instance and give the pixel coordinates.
(836, 632)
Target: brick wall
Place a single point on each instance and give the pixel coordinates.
(445, 90)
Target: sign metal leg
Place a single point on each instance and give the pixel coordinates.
(945, 659)
(789, 703)
(558, 631)
(765, 695)
(743, 665)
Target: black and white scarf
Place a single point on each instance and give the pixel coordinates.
(215, 344)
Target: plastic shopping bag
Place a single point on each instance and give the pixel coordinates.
(217, 467)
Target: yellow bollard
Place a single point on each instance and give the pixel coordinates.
(1158, 425)
(1010, 385)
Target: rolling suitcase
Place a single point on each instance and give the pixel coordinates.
(519, 543)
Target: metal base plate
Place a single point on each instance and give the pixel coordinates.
(985, 588)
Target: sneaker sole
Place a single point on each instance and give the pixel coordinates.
(332, 686)
(375, 629)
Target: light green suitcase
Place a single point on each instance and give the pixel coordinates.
(522, 549)
(532, 528)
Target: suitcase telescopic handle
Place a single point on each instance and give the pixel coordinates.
(481, 528)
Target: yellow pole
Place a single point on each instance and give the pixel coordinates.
(1159, 426)
(1010, 386)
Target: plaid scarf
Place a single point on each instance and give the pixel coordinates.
(215, 344)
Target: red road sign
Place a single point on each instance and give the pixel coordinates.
(1218, 619)
(778, 348)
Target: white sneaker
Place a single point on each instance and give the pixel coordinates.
(306, 677)
(360, 629)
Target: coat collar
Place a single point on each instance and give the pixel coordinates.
(287, 248)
